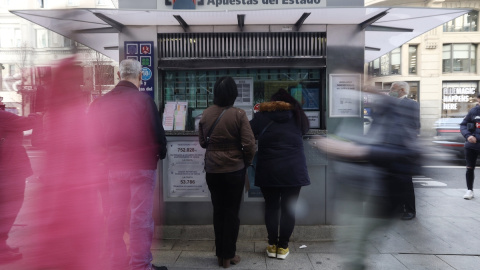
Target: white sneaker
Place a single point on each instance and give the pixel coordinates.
(469, 195)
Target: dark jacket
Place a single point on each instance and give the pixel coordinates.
(231, 145)
(280, 159)
(128, 127)
(14, 161)
(472, 118)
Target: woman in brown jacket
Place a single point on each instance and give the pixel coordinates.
(230, 146)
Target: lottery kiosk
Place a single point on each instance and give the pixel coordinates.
(315, 49)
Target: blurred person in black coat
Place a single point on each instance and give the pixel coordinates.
(409, 115)
(365, 173)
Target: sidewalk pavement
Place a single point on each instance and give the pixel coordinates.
(445, 235)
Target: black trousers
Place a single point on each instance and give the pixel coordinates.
(407, 194)
(471, 156)
(226, 191)
(12, 189)
(280, 201)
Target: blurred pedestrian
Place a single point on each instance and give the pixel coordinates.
(409, 116)
(367, 189)
(279, 127)
(67, 224)
(14, 169)
(130, 134)
(470, 129)
(226, 134)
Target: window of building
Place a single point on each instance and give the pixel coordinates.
(67, 42)
(466, 23)
(459, 58)
(71, 3)
(412, 59)
(11, 70)
(10, 37)
(42, 38)
(102, 2)
(196, 88)
(388, 64)
(458, 98)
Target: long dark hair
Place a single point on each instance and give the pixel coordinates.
(225, 91)
(300, 117)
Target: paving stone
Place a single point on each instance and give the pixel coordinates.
(423, 262)
(461, 262)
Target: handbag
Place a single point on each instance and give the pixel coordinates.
(250, 169)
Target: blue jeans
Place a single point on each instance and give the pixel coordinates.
(132, 188)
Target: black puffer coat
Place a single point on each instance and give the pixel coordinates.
(280, 158)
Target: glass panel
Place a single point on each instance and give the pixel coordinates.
(196, 88)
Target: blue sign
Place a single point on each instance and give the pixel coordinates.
(146, 74)
(142, 51)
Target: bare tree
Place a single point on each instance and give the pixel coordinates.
(23, 63)
(101, 72)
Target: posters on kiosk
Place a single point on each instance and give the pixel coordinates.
(186, 173)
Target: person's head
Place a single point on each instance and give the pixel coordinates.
(130, 70)
(283, 95)
(225, 92)
(300, 116)
(399, 89)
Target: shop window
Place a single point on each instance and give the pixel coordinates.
(412, 59)
(386, 65)
(466, 23)
(459, 58)
(458, 98)
(194, 89)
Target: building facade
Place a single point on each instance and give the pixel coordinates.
(441, 65)
(28, 51)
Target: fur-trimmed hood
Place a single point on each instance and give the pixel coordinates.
(273, 106)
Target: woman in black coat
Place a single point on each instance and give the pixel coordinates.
(281, 168)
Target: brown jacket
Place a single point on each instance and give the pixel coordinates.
(231, 134)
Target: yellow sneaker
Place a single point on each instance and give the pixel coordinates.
(271, 251)
(282, 253)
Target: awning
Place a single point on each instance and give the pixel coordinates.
(386, 28)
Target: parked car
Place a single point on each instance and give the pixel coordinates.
(448, 135)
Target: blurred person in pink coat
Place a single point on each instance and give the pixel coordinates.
(14, 169)
(68, 224)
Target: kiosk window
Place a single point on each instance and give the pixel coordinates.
(193, 90)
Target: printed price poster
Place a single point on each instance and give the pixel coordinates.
(186, 174)
(143, 52)
(245, 92)
(345, 95)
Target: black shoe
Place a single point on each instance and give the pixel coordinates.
(154, 267)
(408, 216)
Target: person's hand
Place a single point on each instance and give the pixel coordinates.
(343, 149)
(472, 139)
